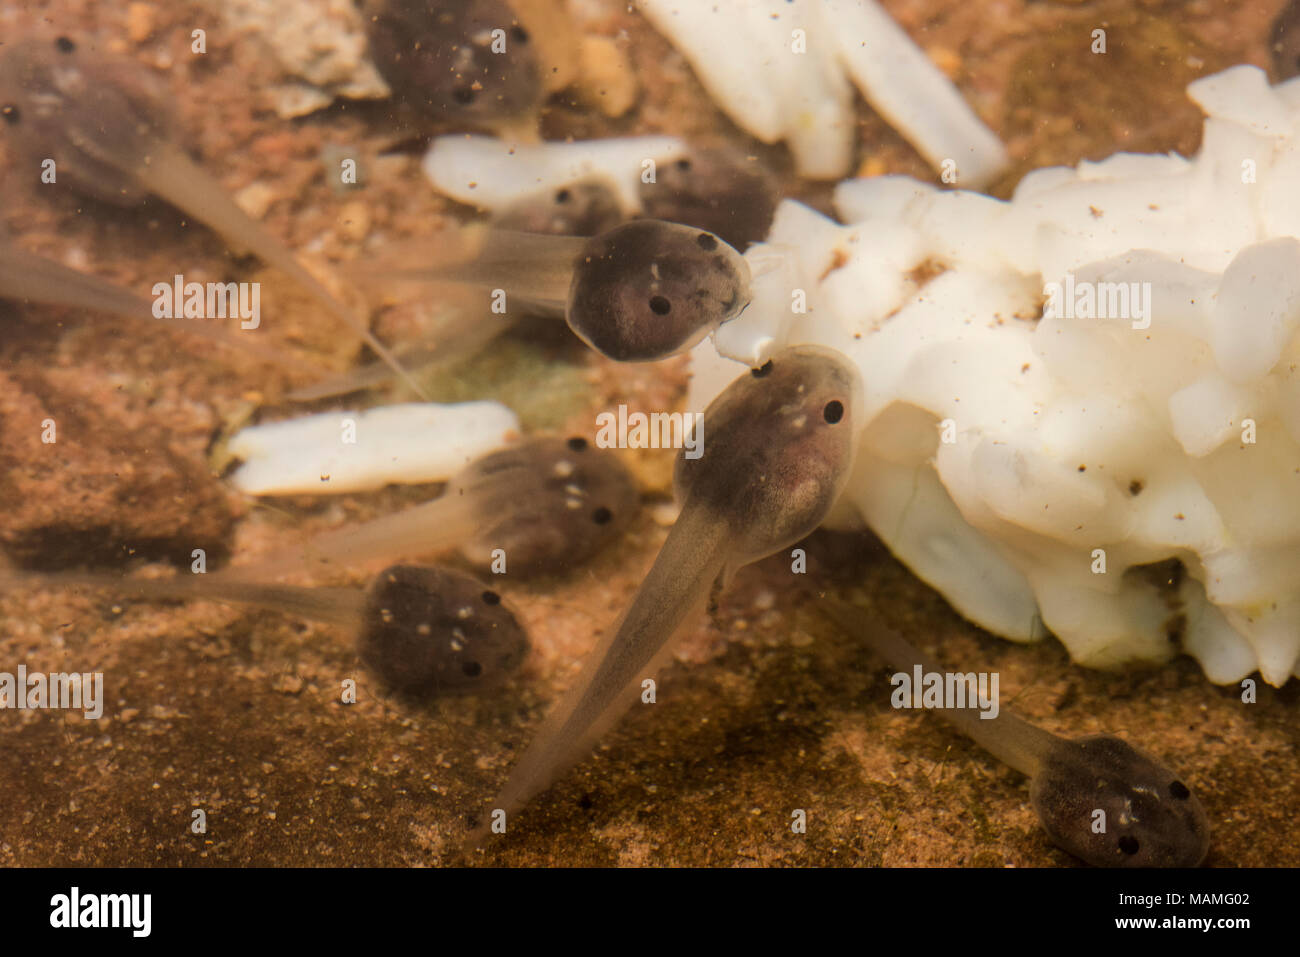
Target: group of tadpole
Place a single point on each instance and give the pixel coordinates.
(780, 449)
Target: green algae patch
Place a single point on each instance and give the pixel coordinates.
(543, 391)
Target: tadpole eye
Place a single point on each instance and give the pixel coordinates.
(577, 443)
(463, 95)
(10, 113)
(601, 516)
(563, 196)
(471, 669)
(518, 34)
(65, 45)
(491, 598)
(684, 165)
(660, 306)
(706, 242)
(1129, 845)
(762, 370)
(1179, 790)
(834, 411)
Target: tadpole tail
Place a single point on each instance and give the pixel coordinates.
(677, 585)
(339, 606)
(29, 277)
(412, 532)
(1008, 737)
(533, 268)
(179, 180)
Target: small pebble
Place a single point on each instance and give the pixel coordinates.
(607, 81)
(139, 21)
(354, 221)
(255, 199)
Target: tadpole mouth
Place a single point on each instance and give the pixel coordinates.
(730, 310)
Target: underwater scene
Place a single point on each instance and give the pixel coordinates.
(558, 433)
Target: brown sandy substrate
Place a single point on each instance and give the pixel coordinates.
(767, 711)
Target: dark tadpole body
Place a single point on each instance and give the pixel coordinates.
(714, 190)
(583, 208)
(1153, 818)
(648, 289)
(422, 629)
(549, 504)
(101, 119)
(438, 58)
(426, 630)
(778, 448)
(1098, 797)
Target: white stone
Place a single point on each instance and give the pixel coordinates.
(1172, 435)
(410, 443)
